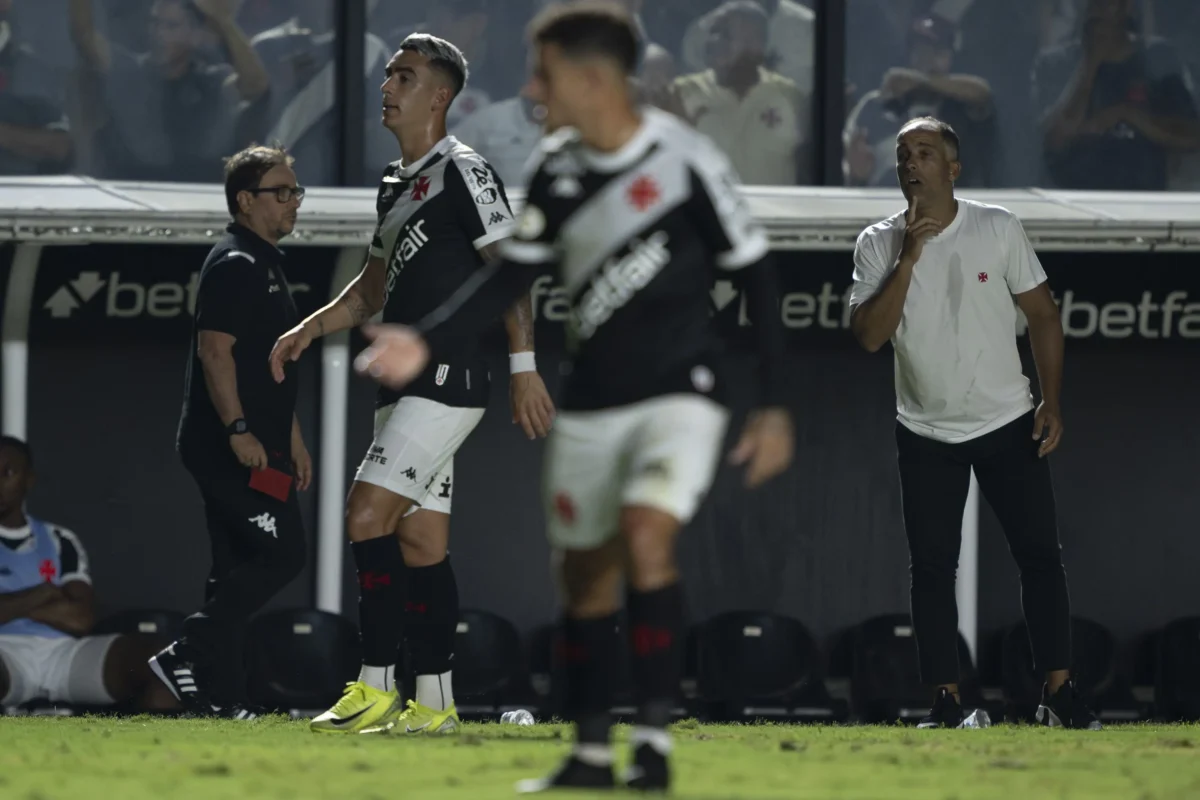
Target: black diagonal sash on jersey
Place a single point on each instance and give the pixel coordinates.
(618, 213)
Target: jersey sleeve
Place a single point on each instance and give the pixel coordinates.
(72, 557)
(870, 268)
(535, 237)
(725, 217)
(1024, 271)
(222, 304)
(478, 194)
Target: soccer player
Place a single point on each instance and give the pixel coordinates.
(46, 612)
(939, 282)
(635, 210)
(442, 211)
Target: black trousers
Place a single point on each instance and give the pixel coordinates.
(934, 480)
(258, 547)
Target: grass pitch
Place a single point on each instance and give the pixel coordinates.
(165, 759)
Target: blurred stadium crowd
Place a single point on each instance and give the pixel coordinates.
(1075, 94)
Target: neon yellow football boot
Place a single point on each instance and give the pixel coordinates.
(362, 709)
(418, 720)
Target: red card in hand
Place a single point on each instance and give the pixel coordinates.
(271, 482)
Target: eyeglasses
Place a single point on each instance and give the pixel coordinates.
(283, 194)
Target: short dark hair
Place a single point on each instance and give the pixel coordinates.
(245, 168)
(949, 137)
(589, 28)
(444, 56)
(21, 446)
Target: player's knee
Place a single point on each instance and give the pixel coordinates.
(364, 521)
(126, 669)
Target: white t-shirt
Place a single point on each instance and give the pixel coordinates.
(958, 373)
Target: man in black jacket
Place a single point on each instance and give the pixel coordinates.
(238, 436)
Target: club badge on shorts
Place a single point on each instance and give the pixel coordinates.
(442, 371)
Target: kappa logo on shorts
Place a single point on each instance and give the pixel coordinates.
(266, 522)
(443, 371)
(410, 473)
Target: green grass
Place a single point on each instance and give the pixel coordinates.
(131, 759)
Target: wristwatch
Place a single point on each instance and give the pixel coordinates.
(237, 427)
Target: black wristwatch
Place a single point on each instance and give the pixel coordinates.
(237, 427)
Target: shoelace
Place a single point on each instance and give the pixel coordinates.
(352, 688)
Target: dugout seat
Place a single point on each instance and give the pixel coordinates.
(761, 665)
(885, 679)
(153, 621)
(1177, 672)
(488, 663)
(299, 660)
(1093, 668)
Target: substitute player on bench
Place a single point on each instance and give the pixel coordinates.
(442, 211)
(637, 211)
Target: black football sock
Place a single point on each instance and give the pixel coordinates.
(430, 624)
(380, 601)
(585, 653)
(656, 651)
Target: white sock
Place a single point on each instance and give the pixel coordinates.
(657, 738)
(597, 755)
(381, 678)
(434, 691)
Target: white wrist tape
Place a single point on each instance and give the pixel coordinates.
(521, 362)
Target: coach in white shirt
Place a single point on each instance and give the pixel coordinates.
(939, 282)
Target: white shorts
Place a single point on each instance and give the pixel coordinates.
(413, 451)
(661, 453)
(64, 670)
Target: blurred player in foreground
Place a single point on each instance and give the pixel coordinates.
(634, 210)
(442, 211)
